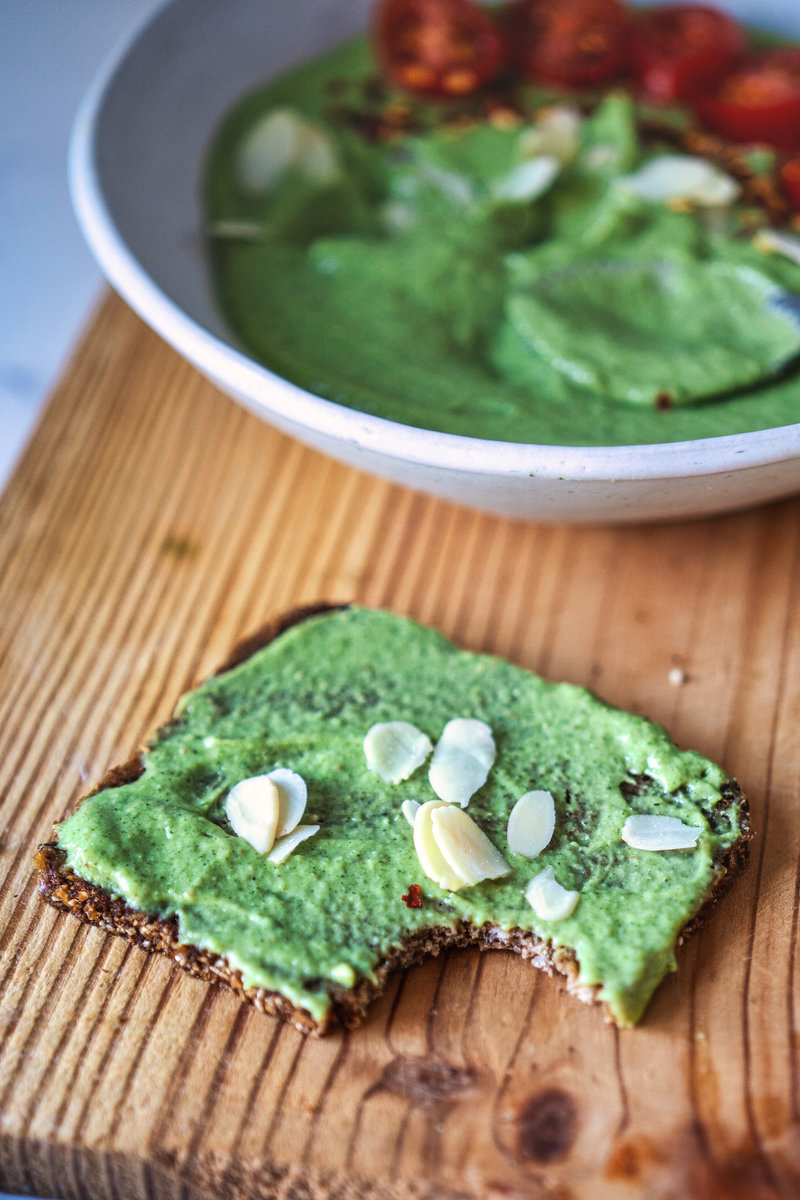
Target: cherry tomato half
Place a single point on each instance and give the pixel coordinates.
(569, 43)
(681, 50)
(438, 47)
(759, 102)
(790, 178)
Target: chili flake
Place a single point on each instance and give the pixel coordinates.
(413, 897)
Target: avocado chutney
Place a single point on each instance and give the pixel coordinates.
(425, 280)
(331, 912)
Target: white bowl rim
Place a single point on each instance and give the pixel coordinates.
(233, 368)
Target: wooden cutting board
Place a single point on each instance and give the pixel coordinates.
(151, 524)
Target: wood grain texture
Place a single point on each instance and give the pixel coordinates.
(150, 525)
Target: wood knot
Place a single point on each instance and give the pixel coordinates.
(546, 1126)
(426, 1082)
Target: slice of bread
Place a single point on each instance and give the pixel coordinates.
(416, 935)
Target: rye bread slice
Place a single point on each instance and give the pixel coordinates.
(61, 887)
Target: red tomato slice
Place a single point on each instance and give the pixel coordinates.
(760, 102)
(681, 50)
(569, 43)
(438, 47)
(790, 178)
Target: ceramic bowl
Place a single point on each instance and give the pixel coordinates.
(136, 159)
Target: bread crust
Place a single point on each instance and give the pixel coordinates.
(67, 891)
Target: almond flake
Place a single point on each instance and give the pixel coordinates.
(644, 832)
(527, 180)
(431, 859)
(253, 809)
(557, 131)
(465, 846)
(462, 760)
(394, 749)
(292, 794)
(452, 185)
(285, 845)
(770, 242)
(548, 899)
(683, 177)
(531, 823)
(409, 809)
(283, 142)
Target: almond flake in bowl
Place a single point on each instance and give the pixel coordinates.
(284, 143)
(671, 177)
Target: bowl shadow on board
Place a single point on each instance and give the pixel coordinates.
(136, 157)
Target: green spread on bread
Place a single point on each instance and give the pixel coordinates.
(579, 825)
